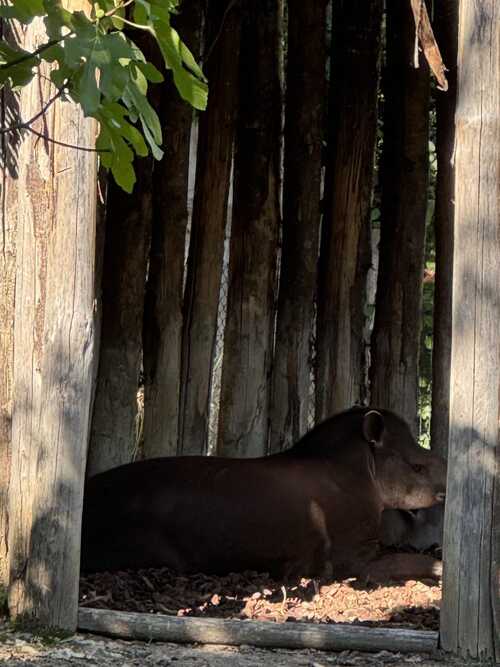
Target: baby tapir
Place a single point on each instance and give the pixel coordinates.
(313, 510)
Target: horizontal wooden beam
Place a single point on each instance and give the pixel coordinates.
(334, 637)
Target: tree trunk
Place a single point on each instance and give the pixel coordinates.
(304, 112)
(128, 220)
(244, 410)
(54, 357)
(446, 29)
(470, 616)
(163, 307)
(396, 334)
(9, 114)
(348, 188)
(215, 145)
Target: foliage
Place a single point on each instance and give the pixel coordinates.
(427, 333)
(98, 66)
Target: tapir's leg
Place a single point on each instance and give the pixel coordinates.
(402, 567)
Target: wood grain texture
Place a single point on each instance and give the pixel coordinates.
(305, 107)
(204, 271)
(470, 619)
(248, 341)
(344, 260)
(9, 145)
(446, 28)
(53, 356)
(327, 637)
(395, 341)
(126, 248)
(163, 316)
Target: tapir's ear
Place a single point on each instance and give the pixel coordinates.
(373, 427)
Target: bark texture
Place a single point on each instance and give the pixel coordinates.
(344, 259)
(163, 308)
(213, 168)
(54, 357)
(446, 27)
(404, 172)
(305, 106)
(470, 615)
(244, 410)
(126, 246)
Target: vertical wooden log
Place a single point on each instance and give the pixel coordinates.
(446, 31)
(215, 145)
(244, 410)
(9, 146)
(163, 306)
(304, 113)
(344, 263)
(470, 616)
(126, 246)
(396, 334)
(53, 356)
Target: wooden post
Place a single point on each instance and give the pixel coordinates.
(204, 272)
(9, 114)
(470, 616)
(344, 261)
(126, 247)
(395, 341)
(53, 355)
(163, 314)
(305, 106)
(446, 14)
(248, 341)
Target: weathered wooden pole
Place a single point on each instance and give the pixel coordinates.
(204, 271)
(53, 363)
(126, 248)
(395, 340)
(344, 261)
(470, 616)
(9, 113)
(163, 315)
(446, 27)
(304, 113)
(248, 342)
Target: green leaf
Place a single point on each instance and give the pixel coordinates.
(192, 89)
(88, 94)
(57, 17)
(139, 80)
(23, 11)
(150, 72)
(146, 112)
(20, 74)
(119, 158)
(155, 149)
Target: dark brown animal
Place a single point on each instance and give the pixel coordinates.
(314, 509)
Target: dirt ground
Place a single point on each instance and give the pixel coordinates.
(24, 650)
(413, 604)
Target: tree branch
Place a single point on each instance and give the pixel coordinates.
(41, 49)
(86, 149)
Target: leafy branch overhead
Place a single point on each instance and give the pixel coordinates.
(98, 66)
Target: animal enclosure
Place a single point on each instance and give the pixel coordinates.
(268, 272)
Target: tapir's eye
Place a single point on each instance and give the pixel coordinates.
(417, 467)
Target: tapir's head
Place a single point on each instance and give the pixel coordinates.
(408, 477)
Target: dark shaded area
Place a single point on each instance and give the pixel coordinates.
(10, 115)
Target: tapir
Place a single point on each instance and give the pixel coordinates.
(312, 510)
